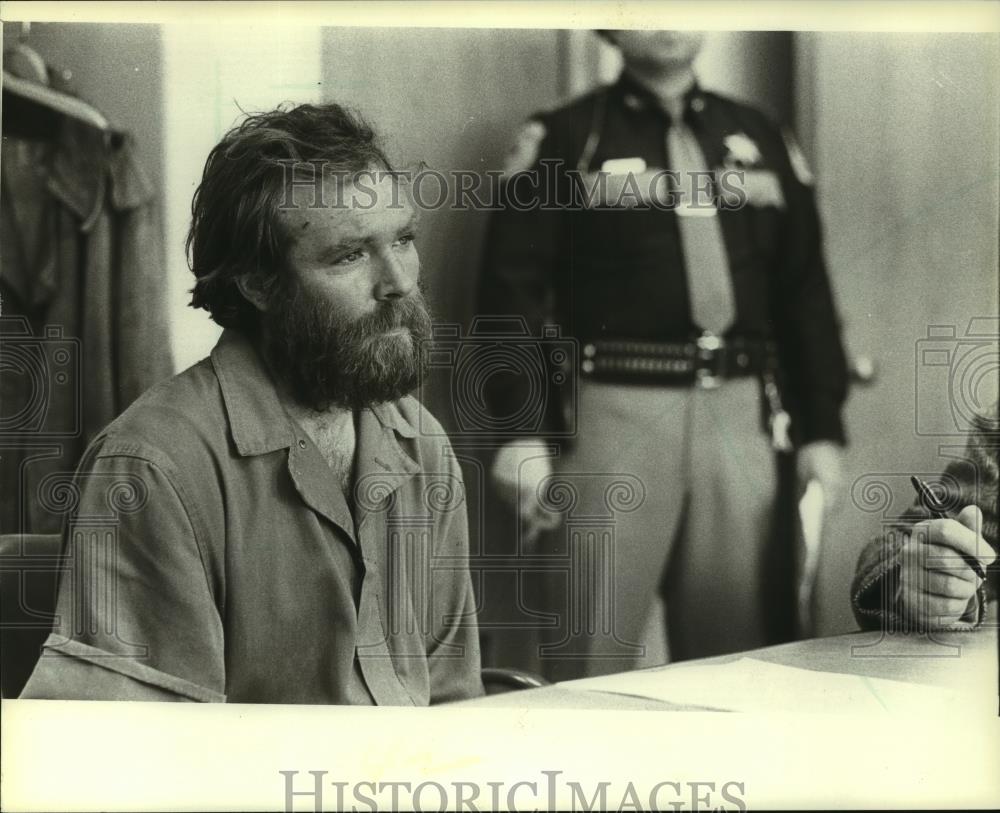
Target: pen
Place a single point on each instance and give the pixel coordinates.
(938, 511)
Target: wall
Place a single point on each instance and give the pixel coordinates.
(453, 99)
(214, 75)
(908, 185)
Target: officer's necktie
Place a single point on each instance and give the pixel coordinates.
(709, 283)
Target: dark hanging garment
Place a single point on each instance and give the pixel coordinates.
(83, 325)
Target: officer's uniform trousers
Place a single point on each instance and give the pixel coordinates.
(694, 533)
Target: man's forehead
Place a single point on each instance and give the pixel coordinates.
(372, 200)
(363, 190)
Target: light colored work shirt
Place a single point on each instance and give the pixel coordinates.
(212, 556)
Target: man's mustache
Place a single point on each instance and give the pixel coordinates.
(389, 315)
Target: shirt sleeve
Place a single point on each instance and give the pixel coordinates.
(136, 617)
(516, 288)
(808, 323)
(453, 655)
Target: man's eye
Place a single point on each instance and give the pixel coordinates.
(406, 240)
(348, 259)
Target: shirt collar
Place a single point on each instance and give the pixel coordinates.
(257, 419)
(637, 97)
(391, 416)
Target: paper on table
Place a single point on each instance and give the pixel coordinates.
(750, 685)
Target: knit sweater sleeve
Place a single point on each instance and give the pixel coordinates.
(971, 481)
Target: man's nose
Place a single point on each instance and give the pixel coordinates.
(397, 277)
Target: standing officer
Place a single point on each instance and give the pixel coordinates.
(674, 234)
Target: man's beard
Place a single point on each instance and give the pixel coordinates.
(325, 362)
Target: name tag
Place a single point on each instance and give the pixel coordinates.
(623, 166)
(626, 189)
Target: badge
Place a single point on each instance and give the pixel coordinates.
(524, 151)
(798, 160)
(742, 150)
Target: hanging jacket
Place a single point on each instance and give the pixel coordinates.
(83, 326)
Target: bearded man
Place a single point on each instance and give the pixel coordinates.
(269, 525)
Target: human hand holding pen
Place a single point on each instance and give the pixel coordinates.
(938, 578)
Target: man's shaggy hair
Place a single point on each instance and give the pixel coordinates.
(235, 229)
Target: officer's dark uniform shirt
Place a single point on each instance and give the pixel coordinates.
(619, 272)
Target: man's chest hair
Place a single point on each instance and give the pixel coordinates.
(338, 449)
(336, 440)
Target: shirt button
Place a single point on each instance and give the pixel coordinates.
(302, 444)
(697, 104)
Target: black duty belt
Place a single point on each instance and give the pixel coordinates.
(703, 362)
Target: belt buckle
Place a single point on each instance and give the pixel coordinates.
(708, 375)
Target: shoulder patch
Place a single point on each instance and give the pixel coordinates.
(798, 160)
(524, 151)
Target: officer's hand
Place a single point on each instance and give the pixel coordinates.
(518, 471)
(822, 460)
(937, 587)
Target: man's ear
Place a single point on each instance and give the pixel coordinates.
(254, 291)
